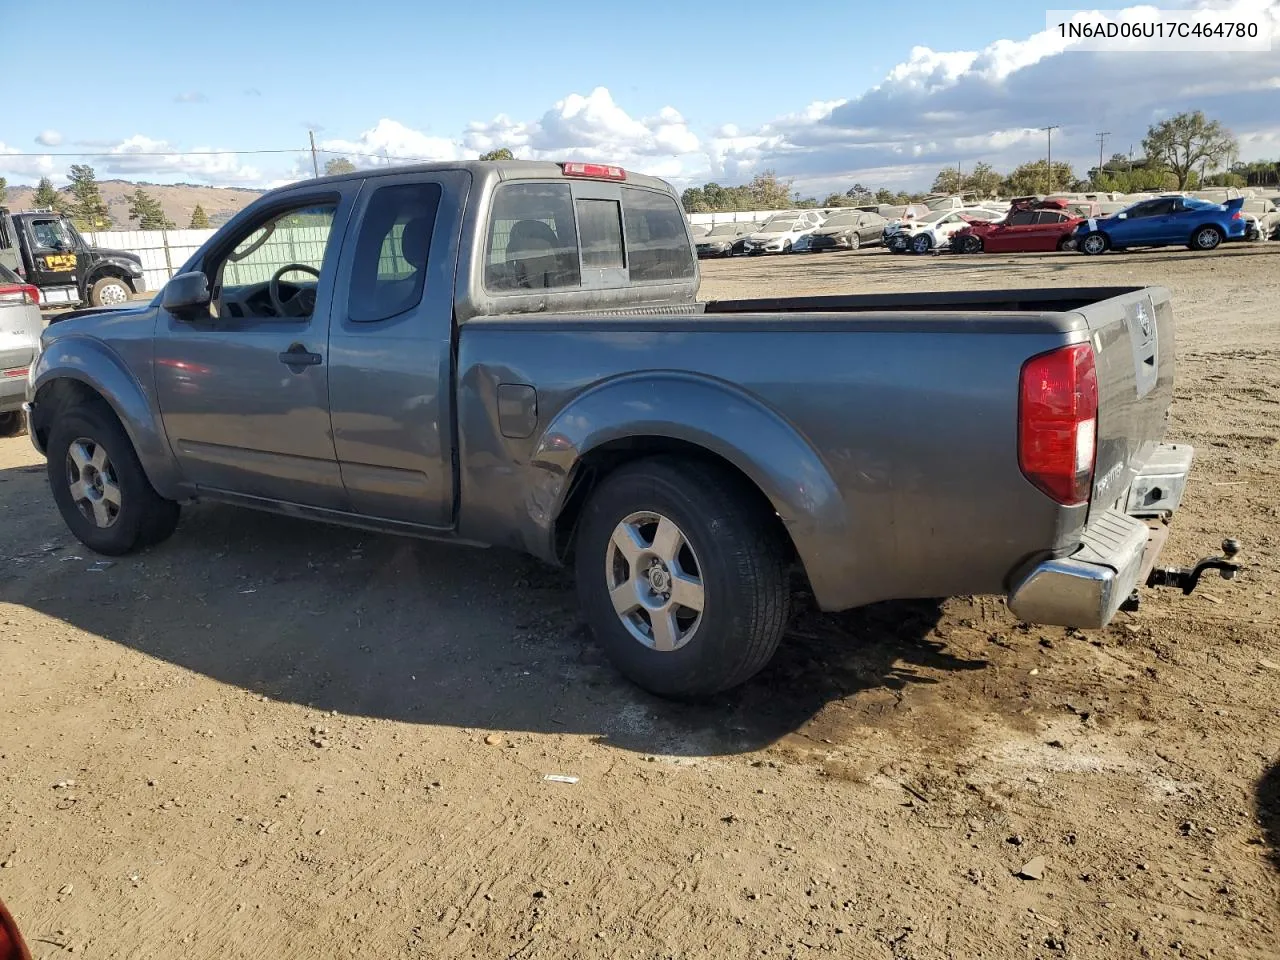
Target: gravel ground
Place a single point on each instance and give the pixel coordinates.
(267, 739)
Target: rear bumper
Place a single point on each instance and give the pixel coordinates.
(1117, 550)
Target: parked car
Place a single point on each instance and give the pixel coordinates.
(1262, 220)
(1030, 226)
(1162, 222)
(934, 231)
(20, 328)
(53, 256)
(512, 353)
(697, 230)
(779, 234)
(740, 244)
(719, 242)
(848, 230)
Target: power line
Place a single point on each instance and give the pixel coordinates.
(1049, 173)
(1102, 139)
(152, 153)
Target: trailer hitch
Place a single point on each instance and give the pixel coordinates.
(1187, 579)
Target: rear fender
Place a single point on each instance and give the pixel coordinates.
(721, 419)
(88, 362)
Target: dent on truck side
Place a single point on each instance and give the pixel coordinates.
(90, 363)
(706, 413)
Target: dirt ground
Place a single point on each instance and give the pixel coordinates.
(270, 739)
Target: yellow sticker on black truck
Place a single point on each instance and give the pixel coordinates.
(59, 261)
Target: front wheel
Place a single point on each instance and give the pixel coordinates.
(971, 244)
(786, 247)
(1206, 238)
(99, 486)
(109, 292)
(854, 241)
(682, 576)
(1093, 244)
(921, 243)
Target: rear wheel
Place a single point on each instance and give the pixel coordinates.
(10, 424)
(682, 576)
(1066, 243)
(109, 292)
(1093, 244)
(99, 486)
(971, 244)
(1206, 238)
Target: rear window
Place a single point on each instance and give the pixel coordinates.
(532, 244)
(657, 246)
(600, 228)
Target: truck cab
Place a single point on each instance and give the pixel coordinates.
(48, 252)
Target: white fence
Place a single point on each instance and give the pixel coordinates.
(163, 252)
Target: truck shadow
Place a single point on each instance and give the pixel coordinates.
(1268, 800)
(425, 633)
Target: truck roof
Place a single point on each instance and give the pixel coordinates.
(504, 169)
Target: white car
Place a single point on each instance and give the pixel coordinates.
(20, 329)
(934, 231)
(781, 234)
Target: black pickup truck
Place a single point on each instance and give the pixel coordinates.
(48, 252)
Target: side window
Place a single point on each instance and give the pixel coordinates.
(600, 227)
(657, 246)
(1147, 209)
(273, 271)
(389, 268)
(50, 235)
(532, 243)
(1021, 219)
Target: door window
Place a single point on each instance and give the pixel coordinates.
(50, 235)
(390, 264)
(274, 269)
(1022, 218)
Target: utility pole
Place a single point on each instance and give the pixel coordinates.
(1049, 173)
(315, 164)
(1102, 139)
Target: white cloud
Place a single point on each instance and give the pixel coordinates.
(935, 108)
(49, 138)
(191, 96)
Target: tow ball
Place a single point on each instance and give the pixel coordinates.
(1187, 579)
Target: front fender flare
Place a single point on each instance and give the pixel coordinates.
(722, 419)
(91, 363)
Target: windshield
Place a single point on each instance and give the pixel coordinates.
(724, 230)
(842, 220)
(934, 217)
(778, 226)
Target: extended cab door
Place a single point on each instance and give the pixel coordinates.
(52, 252)
(391, 391)
(243, 387)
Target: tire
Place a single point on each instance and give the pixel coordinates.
(971, 244)
(109, 292)
(1066, 243)
(921, 243)
(726, 547)
(854, 241)
(1206, 238)
(1093, 244)
(138, 517)
(11, 424)
(786, 247)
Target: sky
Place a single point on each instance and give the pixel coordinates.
(825, 93)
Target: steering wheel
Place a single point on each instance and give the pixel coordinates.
(302, 303)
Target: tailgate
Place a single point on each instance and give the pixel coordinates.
(20, 328)
(1132, 338)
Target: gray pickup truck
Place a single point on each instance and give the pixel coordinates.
(513, 354)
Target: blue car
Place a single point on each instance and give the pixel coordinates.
(1164, 222)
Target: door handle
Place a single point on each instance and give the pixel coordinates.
(299, 356)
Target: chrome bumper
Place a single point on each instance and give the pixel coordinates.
(1117, 551)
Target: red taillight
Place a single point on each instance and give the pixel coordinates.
(13, 293)
(1058, 422)
(1237, 215)
(598, 171)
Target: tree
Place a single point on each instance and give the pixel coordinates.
(839, 200)
(199, 219)
(886, 196)
(502, 153)
(1032, 178)
(983, 180)
(769, 192)
(948, 180)
(1187, 141)
(338, 165)
(858, 194)
(47, 198)
(147, 211)
(88, 210)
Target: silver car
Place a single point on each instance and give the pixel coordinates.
(20, 328)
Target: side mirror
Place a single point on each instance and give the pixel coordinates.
(186, 293)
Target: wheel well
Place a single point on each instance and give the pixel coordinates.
(57, 396)
(1205, 226)
(109, 270)
(603, 460)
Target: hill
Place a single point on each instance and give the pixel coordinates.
(177, 199)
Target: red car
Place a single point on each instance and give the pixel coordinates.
(1031, 226)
